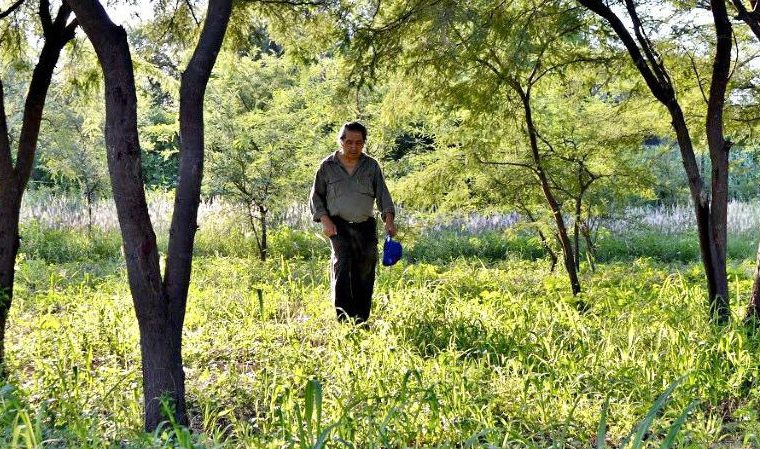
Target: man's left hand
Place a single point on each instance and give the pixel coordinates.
(390, 226)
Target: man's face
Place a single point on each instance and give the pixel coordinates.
(352, 144)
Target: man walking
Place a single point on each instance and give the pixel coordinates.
(345, 186)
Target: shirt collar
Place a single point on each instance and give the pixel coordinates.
(334, 158)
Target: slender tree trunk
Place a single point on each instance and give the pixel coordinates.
(754, 304)
(88, 196)
(159, 303)
(184, 220)
(590, 249)
(252, 221)
(577, 232)
(263, 220)
(567, 246)
(719, 150)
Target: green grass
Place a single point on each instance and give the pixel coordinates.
(682, 247)
(458, 354)
(461, 351)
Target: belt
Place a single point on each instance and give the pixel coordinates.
(368, 220)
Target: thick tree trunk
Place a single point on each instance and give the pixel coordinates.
(10, 203)
(163, 374)
(140, 250)
(159, 303)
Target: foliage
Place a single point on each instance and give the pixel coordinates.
(72, 147)
(267, 119)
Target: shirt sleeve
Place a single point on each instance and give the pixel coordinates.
(382, 194)
(318, 196)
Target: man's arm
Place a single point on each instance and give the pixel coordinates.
(318, 196)
(385, 202)
(318, 204)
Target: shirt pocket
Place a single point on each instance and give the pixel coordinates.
(333, 190)
(364, 186)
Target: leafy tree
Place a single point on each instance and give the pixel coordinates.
(15, 171)
(494, 66)
(710, 209)
(270, 122)
(72, 145)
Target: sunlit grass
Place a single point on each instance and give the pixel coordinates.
(472, 343)
(494, 354)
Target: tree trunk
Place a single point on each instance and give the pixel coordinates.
(719, 149)
(140, 250)
(717, 280)
(185, 217)
(263, 220)
(163, 375)
(590, 250)
(754, 304)
(567, 246)
(159, 303)
(10, 203)
(88, 196)
(576, 233)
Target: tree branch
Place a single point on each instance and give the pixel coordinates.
(6, 159)
(45, 19)
(646, 44)
(696, 73)
(511, 164)
(661, 88)
(56, 37)
(12, 8)
(748, 17)
(192, 12)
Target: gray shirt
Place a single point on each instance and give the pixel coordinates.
(350, 197)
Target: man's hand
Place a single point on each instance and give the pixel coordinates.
(390, 226)
(328, 227)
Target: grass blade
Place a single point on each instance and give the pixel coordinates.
(644, 425)
(676, 427)
(601, 431)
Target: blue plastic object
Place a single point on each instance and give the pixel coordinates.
(392, 251)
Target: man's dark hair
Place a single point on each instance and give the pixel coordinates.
(352, 126)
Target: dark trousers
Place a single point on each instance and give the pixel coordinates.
(352, 268)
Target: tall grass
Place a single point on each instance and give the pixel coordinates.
(472, 343)
(456, 355)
